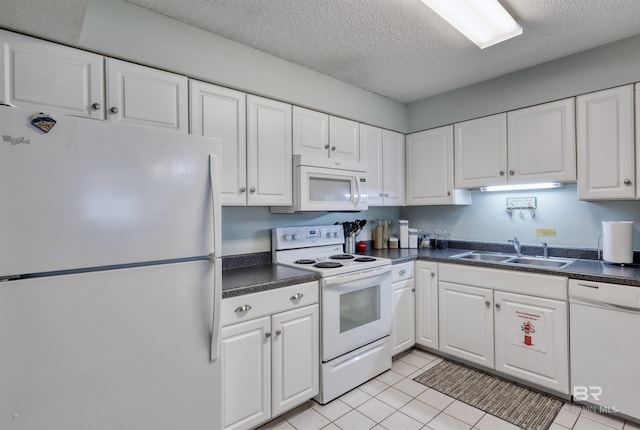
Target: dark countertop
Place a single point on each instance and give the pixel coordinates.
(246, 280)
(587, 270)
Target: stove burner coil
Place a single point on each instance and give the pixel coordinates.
(327, 265)
(304, 261)
(342, 257)
(364, 259)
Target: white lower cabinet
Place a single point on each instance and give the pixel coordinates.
(426, 282)
(271, 359)
(531, 339)
(403, 331)
(497, 319)
(466, 322)
(246, 375)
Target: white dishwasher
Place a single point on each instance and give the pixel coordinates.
(605, 346)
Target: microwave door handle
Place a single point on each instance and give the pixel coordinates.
(357, 190)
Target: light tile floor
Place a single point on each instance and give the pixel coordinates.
(393, 401)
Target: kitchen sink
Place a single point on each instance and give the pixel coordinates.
(483, 256)
(491, 257)
(556, 263)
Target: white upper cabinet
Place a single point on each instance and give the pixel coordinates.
(344, 139)
(269, 157)
(541, 143)
(326, 141)
(221, 113)
(142, 95)
(311, 135)
(35, 74)
(481, 152)
(606, 155)
(429, 164)
(384, 153)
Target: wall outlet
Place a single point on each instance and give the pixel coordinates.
(546, 232)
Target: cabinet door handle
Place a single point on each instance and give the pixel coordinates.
(402, 272)
(267, 335)
(433, 275)
(512, 172)
(243, 308)
(501, 172)
(326, 146)
(114, 110)
(278, 332)
(627, 181)
(252, 189)
(96, 106)
(386, 194)
(497, 305)
(333, 148)
(488, 303)
(448, 193)
(381, 194)
(296, 296)
(243, 189)
(413, 289)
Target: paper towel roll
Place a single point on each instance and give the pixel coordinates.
(617, 241)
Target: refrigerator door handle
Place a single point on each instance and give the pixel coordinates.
(217, 298)
(216, 219)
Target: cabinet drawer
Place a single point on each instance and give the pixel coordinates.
(400, 272)
(250, 306)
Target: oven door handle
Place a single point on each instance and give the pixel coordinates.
(357, 276)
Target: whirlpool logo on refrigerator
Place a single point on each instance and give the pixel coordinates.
(15, 140)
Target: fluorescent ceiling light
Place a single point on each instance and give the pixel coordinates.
(484, 22)
(520, 187)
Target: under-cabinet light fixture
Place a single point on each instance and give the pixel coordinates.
(521, 187)
(484, 22)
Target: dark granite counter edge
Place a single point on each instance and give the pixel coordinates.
(239, 279)
(247, 280)
(582, 269)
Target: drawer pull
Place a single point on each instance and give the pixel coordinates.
(243, 308)
(296, 296)
(403, 272)
(595, 287)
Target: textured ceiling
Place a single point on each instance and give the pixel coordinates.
(59, 20)
(400, 48)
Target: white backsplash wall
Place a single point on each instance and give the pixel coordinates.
(577, 223)
(248, 229)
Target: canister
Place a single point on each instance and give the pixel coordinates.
(404, 233)
(413, 238)
(393, 242)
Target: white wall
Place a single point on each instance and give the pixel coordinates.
(607, 66)
(577, 223)
(120, 29)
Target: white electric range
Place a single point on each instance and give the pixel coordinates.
(355, 303)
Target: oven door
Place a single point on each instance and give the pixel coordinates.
(356, 310)
(324, 189)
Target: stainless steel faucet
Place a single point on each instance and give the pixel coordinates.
(516, 245)
(545, 249)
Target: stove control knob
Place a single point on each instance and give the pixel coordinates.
(335, 234)
(287, 237)
(296, 237)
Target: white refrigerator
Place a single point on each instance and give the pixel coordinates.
(110, 277)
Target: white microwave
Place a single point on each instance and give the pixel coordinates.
(318, 189)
